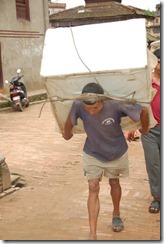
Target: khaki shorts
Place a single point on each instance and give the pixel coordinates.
(95, 169)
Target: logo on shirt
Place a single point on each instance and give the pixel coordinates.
(108, 121)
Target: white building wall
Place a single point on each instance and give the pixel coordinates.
(22, 42)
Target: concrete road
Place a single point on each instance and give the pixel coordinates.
(53, 206)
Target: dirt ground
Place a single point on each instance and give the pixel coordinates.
(52, 205)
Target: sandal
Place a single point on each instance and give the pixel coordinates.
(154, 206)
(117, 224)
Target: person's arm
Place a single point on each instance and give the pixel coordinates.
(67, 134)
(144, 117)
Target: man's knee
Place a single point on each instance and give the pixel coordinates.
(94, 185)
(114, 182)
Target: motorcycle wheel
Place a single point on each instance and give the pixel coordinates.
(27, 105)
(20, 108)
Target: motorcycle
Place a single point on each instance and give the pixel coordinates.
(18, 92)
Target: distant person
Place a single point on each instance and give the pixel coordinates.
(105, 148)
(151, 142)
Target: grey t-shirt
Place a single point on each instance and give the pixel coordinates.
(105, 139)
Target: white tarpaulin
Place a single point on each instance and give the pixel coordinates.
(113, 54)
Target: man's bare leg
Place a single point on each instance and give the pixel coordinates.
(116, 197)
(93, 207)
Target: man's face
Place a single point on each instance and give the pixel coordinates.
(94, 108)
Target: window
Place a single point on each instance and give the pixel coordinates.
(156, 29)
(22, 9)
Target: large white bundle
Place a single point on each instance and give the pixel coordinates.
(113, 54)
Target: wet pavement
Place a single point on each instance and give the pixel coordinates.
(53, 204)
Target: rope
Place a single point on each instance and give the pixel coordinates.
(43, 107)
(110, 96)
(81, 58)
(90, 96)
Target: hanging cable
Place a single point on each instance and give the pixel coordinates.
(112, 97)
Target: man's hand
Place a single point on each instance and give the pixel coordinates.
(131, 135)
(67, 137)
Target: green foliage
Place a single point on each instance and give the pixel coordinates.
(148, 12)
